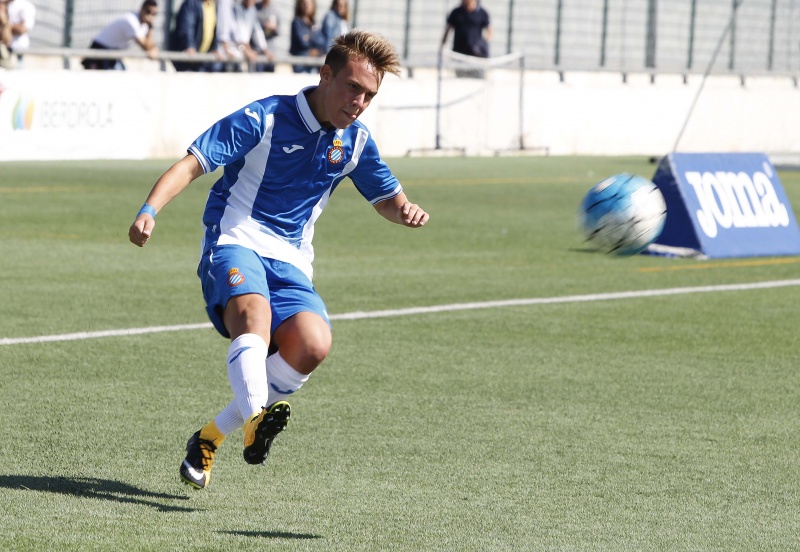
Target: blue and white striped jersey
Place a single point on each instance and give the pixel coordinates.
(281, 167)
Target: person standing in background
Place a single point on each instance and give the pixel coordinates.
(196, 32)
(306, 40)
(471, 28)
(335, 23)
(124, 31)
(21, 17)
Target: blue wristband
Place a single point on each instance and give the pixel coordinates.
(148, 209)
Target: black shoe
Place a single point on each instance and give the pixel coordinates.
(196, 467)
(261, 430)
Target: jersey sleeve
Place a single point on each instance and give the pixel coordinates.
(230, 138)
(372, 177)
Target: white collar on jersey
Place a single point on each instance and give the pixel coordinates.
(307, 116)
(305, 111)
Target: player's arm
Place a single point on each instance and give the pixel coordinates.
(169, 185)
(399, 210)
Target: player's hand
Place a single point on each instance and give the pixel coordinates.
(413, 215)
(141, 229)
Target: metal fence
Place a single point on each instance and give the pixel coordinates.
(659, 36)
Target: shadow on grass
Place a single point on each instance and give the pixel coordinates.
(272, 534)
(91, 487)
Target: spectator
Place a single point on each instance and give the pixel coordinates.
(472, 31)
(196, 32)
(6, 59)
(270, 19)
(227, 36)
(250, 39)
(21, 17)
(335, 23)
(305, 35)
(121, 33)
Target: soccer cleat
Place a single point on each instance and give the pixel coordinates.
(196, 467)
(261, 430)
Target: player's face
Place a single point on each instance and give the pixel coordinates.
(348, 93)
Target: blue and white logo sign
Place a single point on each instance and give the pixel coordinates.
(726, 205)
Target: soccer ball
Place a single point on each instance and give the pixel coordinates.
(622, 215)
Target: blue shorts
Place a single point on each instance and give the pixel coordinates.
(226, 271)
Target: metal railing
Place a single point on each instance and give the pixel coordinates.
(656, 36)
(71, 58)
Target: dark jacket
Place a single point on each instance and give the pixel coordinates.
(188, 31)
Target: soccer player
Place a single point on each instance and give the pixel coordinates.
(283, 156)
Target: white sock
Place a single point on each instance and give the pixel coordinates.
(246, 357)
(283, 379)
(230, 419)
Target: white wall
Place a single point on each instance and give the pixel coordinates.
(56, 114)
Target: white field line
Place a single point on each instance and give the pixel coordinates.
(429, 310)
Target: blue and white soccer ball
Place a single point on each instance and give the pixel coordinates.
(622, 215)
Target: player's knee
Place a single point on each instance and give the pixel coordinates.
(315, 350)
(304, 341)
(307, 351)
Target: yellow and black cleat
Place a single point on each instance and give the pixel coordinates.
(261, 429)
(196, 467)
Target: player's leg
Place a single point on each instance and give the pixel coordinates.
(201, 448)
(301, 330)
(303, 342)
(307, 340)
(235, 290)
(302, 334)
(247, 318)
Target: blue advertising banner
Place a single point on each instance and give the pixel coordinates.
(726, 205)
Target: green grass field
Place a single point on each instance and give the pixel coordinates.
(646, 423)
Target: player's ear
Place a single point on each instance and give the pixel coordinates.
(325, 73)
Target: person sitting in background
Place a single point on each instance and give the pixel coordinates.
(305, 35)
(196, 32)
(21, 17)
(6, 59)
(335, 23)
(270, 19)
(122, 32)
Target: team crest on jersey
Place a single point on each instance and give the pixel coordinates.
(235, 277)
(336, 153)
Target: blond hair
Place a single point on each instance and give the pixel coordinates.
(372, 47)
